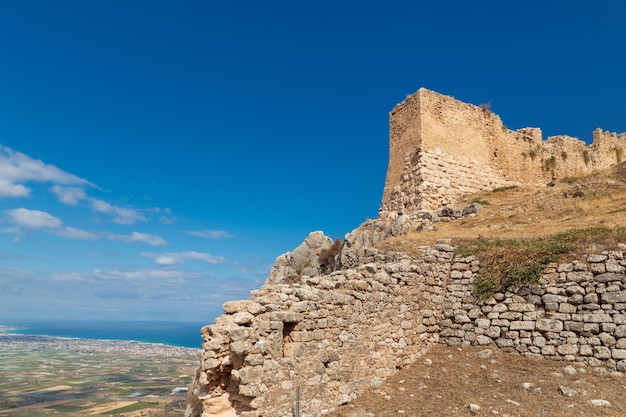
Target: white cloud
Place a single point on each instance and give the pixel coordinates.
(101, 206)
(139, 237)
(74, 233)
(210, 234)
(33, 219)
(122, 215)
(9, 189)
(69, 195)
(68, 277)
(17, 168)
(148, 274)
(178, 258)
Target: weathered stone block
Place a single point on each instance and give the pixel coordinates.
(286, 316)
(567, 308)
(567, 349)
(614, 297)
(241, 347)
(597, 258)
(232, 307)
(608, 277)
(522, 325)
(521, 307)
(553, 298)
(549, 325)
(601, 352)
(493, 332)
(242, 318)
(420, 328)
(618, 354)
(502, 343)
(240, 333)
(293, 350)
(482, 323)
(596, 318)
(460, 318)
(511, 315)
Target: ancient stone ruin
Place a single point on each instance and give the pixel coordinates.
(441, 148)
(334, 319)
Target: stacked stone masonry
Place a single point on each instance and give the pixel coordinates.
(441, 149)
(335, 335)
(331, 335)
(577, 312)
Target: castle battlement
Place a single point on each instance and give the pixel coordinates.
(441, 149)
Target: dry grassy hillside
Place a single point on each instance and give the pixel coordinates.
(447, 380)
(598, 200)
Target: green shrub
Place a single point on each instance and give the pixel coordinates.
(514, 263)
(586, 157)
(485, 285)
(549, 164)
(502, 189)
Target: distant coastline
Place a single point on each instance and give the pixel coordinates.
(180, 334)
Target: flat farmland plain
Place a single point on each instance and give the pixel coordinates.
(41, 376)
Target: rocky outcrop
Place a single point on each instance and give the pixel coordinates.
(306, 259)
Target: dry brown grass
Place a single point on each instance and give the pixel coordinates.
(532, 212)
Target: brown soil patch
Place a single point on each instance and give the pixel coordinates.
(446, 380)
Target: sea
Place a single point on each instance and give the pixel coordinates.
(171, 333)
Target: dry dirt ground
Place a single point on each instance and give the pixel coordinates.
(446, 380)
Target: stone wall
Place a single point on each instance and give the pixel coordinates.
(331, 335)
(441, 149)
(577, 312)
(335, 335)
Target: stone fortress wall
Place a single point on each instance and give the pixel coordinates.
(441, 149)
(333, 331)
(335, 335)
(331, 335)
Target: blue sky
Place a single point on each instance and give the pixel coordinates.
(156, 157)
